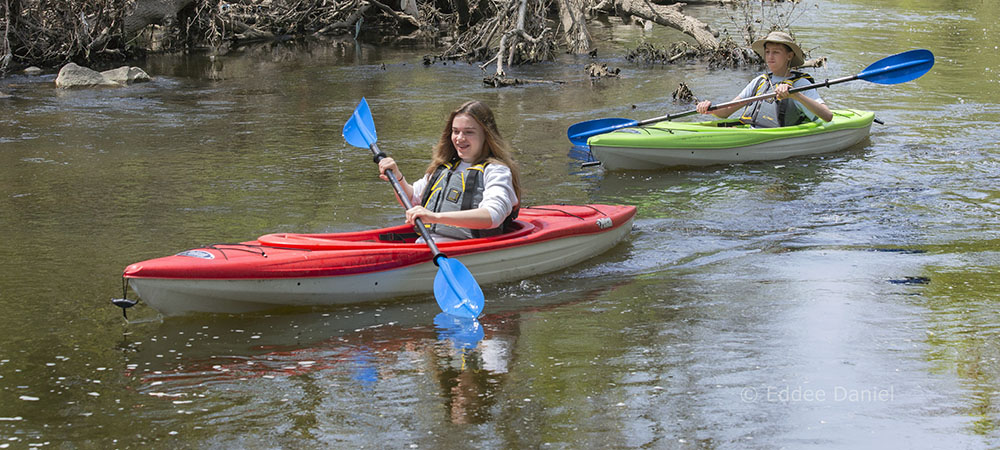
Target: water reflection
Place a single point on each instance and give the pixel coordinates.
(582, 154)
(467, 386)
(464, 333)
(347, 354)
(364, 369)
(469, 377)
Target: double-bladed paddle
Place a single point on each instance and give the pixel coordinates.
(895, 69)
(456, 291)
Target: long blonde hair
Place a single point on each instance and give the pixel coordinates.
(495, 148)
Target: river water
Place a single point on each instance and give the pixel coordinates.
(847, 300)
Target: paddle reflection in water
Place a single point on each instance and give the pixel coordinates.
(462, 332)
(364, 369)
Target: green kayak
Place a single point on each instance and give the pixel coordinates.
(665, 144)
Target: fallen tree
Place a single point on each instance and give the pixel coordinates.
(666, 15)
(526, 37)
(752, 20)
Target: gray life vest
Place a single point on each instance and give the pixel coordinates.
(769, 113)
(449, 190)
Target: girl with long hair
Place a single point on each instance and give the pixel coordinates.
(471, 187)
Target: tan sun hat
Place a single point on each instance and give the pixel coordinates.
(780, 37)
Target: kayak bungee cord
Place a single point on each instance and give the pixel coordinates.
(257, 249)
(222, 251)
(566, 212)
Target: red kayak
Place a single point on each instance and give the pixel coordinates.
(342, 268)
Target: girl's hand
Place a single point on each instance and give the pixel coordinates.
(419, 212)
(388, 163)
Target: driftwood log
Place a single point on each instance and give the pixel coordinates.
(149, 12)
(666, 15)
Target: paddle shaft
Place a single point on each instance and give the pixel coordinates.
(417, 223)
(866, 75)
(744, 101)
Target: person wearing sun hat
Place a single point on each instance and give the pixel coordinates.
(781, 54)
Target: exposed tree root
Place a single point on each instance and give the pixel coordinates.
(683, 94)
(728, 54)
(512, 32)
(601, 71)
(504, 81)
(497, 33)
(54, 31)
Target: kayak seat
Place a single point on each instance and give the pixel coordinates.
(518, 228)
(730, 124)
(399, 238)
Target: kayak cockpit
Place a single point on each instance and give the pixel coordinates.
(398, 237)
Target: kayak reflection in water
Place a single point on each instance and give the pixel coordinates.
(781, 53)
(471, 187)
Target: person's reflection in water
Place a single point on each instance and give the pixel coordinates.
(470, 371)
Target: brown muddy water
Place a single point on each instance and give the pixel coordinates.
(847, 300)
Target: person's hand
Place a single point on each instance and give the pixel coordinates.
(703, 106)
(419, 212)
(388, 163)
(781, 91)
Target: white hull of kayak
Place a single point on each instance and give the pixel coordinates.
(179, 296)
(629, 158)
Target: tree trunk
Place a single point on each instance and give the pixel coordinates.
(670, 16)
(574, 23)
(153, 11)
(511, 40)
(6, 52)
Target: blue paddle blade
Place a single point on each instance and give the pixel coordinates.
(579, 132)
(456, 291)
(899, 68)
(359, 130)
(463, 332)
